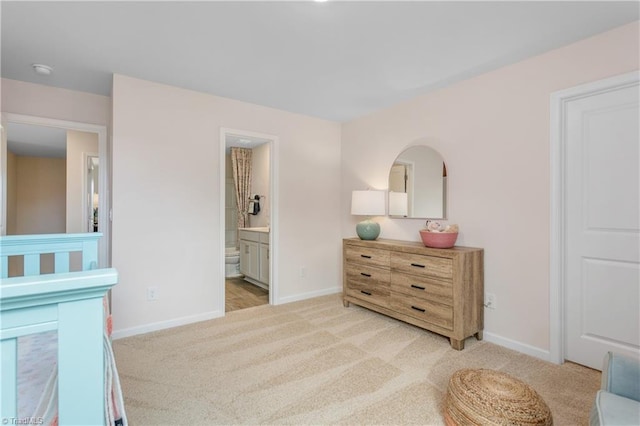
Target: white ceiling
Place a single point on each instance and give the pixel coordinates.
(243, 142)
(336, 60)
(36, 141)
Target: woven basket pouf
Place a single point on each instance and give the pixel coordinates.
(488, 397)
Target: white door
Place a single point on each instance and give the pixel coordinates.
(602, 287)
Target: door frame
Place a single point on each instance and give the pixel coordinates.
(557, 236)
(273, 142)
(104, 205)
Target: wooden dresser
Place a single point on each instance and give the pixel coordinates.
(441, 290)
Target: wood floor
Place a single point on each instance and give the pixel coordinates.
(241, 295)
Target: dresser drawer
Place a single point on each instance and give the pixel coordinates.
(367, 275)
(423, 288)
(368, 283)
(422, 265)
(367, 256)
(424, 310)
(378, 295)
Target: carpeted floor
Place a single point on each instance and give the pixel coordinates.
(316, 362)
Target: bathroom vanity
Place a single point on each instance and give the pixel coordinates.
(254, 255)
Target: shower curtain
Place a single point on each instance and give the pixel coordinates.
(241, 163)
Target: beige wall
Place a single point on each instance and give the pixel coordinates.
(12, 189)
(40, 195)
(493, 132)
(38, 203)
(37, 100)
(260, 184)
(20, 97)
(228, 168)
(16, 264)
(79, 144)
(166, 202)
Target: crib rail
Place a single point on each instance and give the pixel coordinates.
(70, 302)
(61, 245)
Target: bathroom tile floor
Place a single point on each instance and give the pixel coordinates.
(241, 295)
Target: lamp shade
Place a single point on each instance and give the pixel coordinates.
(398, 204)
(367, 203)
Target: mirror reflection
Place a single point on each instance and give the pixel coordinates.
(36, 179)
(418, 184)
(52, 180)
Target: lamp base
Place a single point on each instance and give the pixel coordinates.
(368, 230)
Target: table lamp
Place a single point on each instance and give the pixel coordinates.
(367, 203)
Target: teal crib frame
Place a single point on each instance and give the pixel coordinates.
(69, 302)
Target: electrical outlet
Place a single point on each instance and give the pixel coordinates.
(152, 293)
(490, 301)
(303, 271)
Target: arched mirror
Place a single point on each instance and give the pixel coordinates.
(418, 184)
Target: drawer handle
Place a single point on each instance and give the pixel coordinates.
(365, 256)
(365, 275)
(417, 265)
(417, 286)
(418, 309)
(365, 292)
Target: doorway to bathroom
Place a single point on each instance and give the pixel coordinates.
(248, 217)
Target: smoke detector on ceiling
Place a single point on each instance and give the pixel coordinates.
(41, 69)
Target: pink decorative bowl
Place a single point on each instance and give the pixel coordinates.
(438, 239)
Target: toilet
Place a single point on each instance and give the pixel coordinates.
(232, 262)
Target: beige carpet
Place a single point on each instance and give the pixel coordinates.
(315, 362)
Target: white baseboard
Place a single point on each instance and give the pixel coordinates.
(533, 351)
(156, 326)
(524, 348)
(162, 325)
(310, 295)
